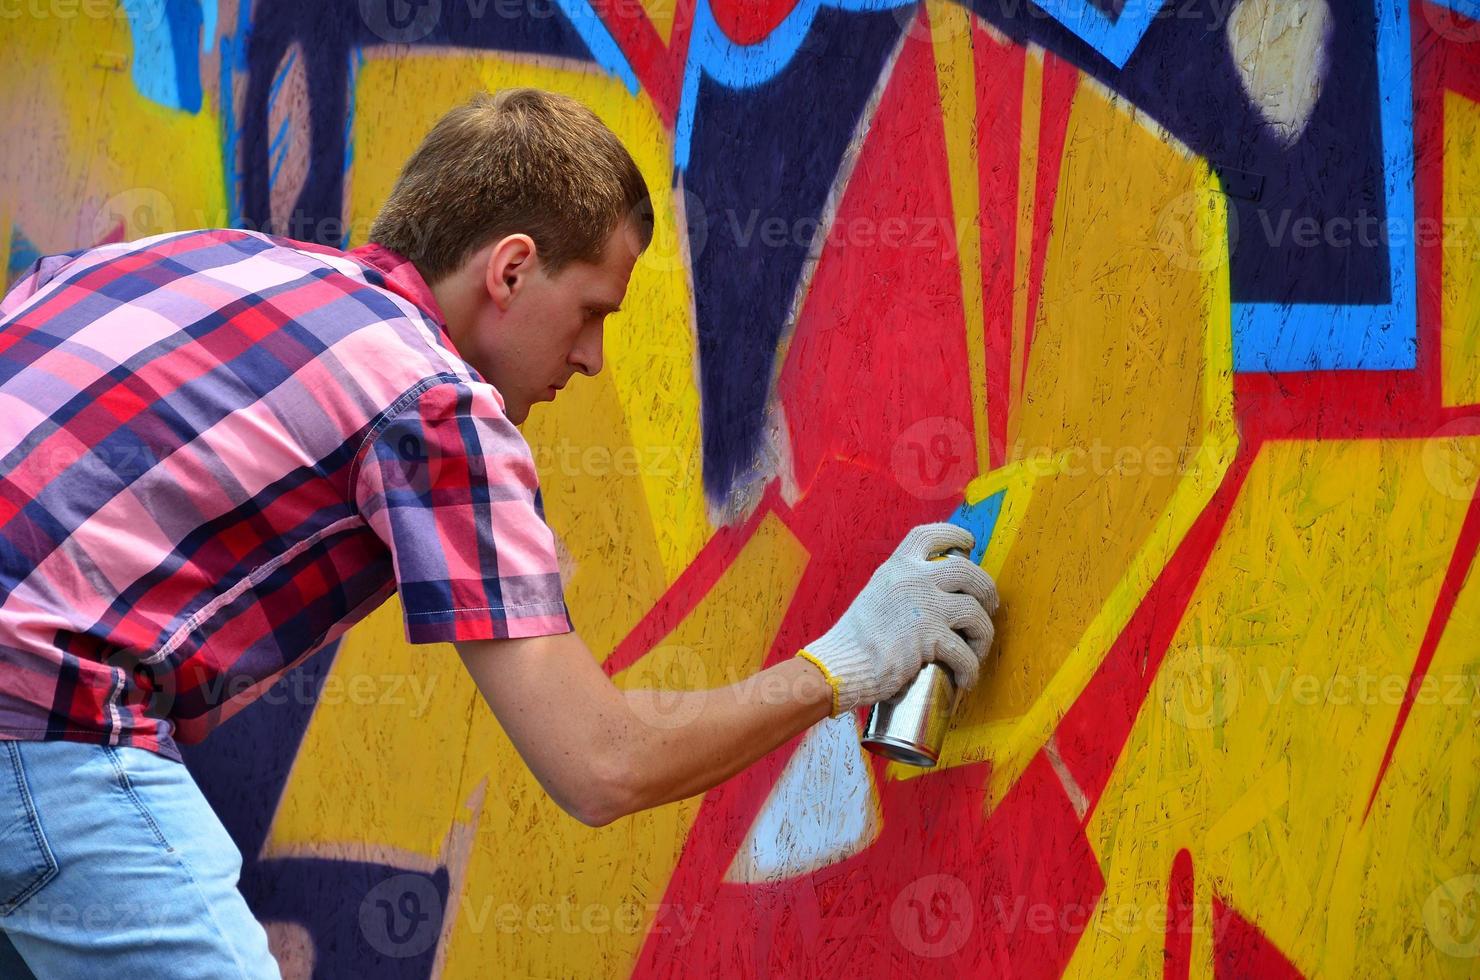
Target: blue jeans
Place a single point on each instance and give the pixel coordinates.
(112, 863)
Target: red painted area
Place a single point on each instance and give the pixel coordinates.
(692, 585)
(749, 21)
(1095, 729)
(1180, 901)
(877, 370)
(1060, 80)
(999, 112)
(942, 892)
(1460, 563)
(657, 64)
(1242, 952)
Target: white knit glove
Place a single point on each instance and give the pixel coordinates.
(912, 611)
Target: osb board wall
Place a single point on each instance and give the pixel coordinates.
(1179, 305)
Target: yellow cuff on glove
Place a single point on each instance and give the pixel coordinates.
(832, 681)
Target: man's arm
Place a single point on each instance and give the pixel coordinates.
(587, 742)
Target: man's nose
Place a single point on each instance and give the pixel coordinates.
(587, 357)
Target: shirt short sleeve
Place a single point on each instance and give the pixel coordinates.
(449, 485)
(36, 278)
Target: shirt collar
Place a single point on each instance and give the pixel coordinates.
(401, 277)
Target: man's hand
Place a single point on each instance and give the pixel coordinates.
(913, 610)
(602, 753)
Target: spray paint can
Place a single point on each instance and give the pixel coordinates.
(911, 726)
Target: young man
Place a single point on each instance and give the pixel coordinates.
(219, 450)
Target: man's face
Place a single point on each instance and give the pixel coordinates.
(551, 327)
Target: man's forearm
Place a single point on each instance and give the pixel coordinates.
(689, 741)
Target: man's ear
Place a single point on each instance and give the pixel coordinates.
(511, 261)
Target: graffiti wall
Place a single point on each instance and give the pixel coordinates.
(1177, 304)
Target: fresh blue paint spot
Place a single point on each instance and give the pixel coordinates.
(980, 519)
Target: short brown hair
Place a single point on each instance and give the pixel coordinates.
(518, 161)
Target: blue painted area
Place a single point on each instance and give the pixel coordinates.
(277, 153)
(277, 150)
(209, 16)
(980, 519)
(762, 155)
(356, 62)
(1470, 8)
(1372, 337)
(23, 254)
(166, 36)
(714, 56)
(712, 53)
(279, 78)
(233, 59)
(1113, 37)
(599, 41)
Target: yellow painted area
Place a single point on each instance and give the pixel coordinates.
(529, 855)
(110, 155)
(1460, 336)
(1023, 252)
(620, 450)
(377, 771)
(5, 235)
(1264, 730)
(1104, 488)
(660, 13)
(955, 72)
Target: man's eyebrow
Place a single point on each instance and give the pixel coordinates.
(605, 307)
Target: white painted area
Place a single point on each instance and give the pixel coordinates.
(1281, 50)
(822, 809)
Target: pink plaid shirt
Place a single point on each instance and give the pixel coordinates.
(218, 451)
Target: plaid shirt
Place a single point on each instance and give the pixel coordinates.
(218, 451)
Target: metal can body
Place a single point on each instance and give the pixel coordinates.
(911, 726)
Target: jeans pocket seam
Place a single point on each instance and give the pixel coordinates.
(127, 786)
(43, 847)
